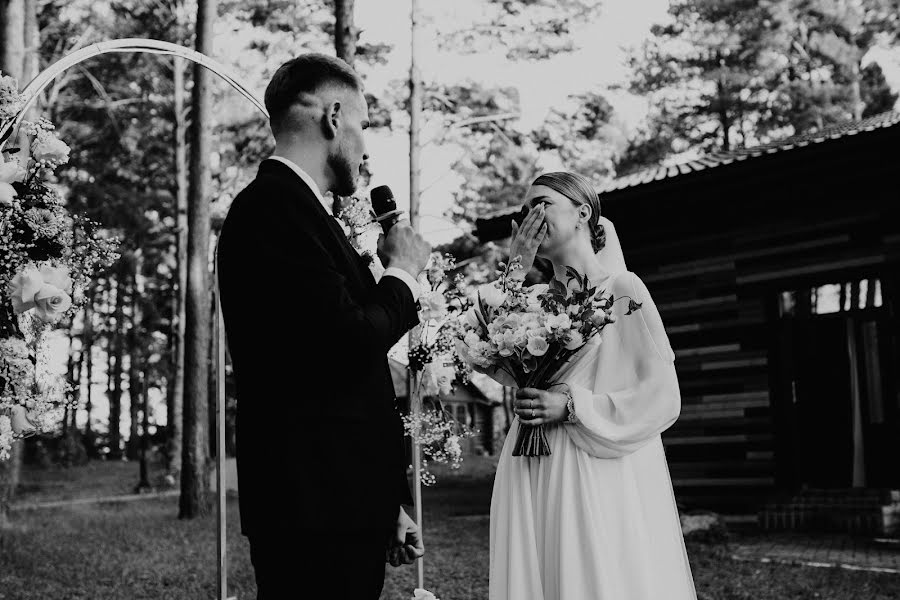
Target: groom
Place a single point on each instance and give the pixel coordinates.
(321, 459)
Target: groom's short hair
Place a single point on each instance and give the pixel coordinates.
(307, 73)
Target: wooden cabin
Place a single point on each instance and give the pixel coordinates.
(480, 407)
(777, 273)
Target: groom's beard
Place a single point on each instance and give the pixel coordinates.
(345, 180)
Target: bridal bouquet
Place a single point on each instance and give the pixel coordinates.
(531, 334)
(46, 258)
(435, 367)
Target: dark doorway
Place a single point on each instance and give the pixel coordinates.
(836, 414)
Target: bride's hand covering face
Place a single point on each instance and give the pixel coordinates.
(527, 239)
(565, 221)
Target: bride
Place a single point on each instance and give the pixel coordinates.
(595, 520)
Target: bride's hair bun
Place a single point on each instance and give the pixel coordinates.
(579, 190)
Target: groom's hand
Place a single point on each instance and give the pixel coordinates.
(405, 249)
(406, 545)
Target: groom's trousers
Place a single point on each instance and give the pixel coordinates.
(319, 564)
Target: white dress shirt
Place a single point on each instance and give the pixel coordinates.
(400, 274)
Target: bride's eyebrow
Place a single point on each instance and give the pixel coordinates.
(538, 199)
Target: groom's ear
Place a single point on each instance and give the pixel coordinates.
(331, 119)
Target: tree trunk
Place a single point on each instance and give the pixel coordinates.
(117, 342)
(135, 363)
(415, 116)
(344, 31)
(144, 483)
(724, 118)
(88, 352)
(70, 374)
(138, 390)
(345, 47)
(12, 43)
(856, 93)
(175, 402)
(195, 499)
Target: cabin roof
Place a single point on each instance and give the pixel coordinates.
(718, 159)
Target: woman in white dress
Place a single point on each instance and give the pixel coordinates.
(595, 520)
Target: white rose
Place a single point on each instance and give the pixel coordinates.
(48, 147)
(521, 336)
(512, 320)
(434, 306)
(51, 302)
(11, 172)
(23, 287)
(491, 295)
(506, 343)
(575, 340)
(558, 322)
(19, 420)
(481, 354)
(57, 277)
(471, 339)
(538, 332)
(538, 346)
(7, 193)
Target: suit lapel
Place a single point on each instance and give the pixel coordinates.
(333, 235)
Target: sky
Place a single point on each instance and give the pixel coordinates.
(597, 62)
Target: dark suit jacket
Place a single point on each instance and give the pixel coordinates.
(319, 436)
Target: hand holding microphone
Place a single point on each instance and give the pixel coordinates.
(403, 247)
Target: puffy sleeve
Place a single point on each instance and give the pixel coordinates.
(643, 398)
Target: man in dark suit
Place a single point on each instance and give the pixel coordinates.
(320, 452)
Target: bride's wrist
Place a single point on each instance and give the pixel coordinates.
(570, 416)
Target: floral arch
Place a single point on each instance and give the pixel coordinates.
(44, 266)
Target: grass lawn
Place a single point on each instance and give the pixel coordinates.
(141, 550)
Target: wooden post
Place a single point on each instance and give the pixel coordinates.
(859, 458)
(415, 408)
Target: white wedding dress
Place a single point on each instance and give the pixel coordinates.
(596, 520)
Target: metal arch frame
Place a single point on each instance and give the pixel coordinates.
(149, 46)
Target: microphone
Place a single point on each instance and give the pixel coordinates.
(385, 207)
